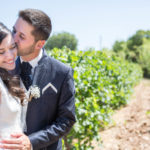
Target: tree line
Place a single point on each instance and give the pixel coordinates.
(135, 49)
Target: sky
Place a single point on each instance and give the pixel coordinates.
(95, 23)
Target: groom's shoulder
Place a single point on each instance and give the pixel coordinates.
(58, 65)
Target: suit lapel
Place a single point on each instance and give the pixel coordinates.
(40, 70)
(38, 77)
(39, 73)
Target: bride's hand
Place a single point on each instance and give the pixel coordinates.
(18, 141)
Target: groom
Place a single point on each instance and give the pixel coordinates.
(52, 115)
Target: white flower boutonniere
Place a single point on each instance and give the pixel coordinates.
(33, 92)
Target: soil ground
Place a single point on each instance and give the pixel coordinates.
(132, 123)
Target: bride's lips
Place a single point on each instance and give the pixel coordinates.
(10, 62)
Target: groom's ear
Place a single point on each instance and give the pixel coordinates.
(40, 44)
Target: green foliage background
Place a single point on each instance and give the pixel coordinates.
(103, 83)
(136, 49)
(60, 40)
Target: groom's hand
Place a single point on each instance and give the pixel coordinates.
(18, 141)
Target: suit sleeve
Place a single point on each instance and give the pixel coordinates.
(65, 118)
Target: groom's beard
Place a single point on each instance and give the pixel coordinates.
(25, 51)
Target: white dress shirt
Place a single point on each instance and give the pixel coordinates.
(34, 62)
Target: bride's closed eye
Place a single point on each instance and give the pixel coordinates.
(13, 46)
(2, 51)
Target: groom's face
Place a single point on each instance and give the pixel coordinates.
(24, 39)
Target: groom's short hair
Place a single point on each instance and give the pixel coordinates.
(39, 20)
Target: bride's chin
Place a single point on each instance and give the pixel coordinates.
(11, 68)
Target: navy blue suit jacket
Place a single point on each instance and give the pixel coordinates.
(53, 114)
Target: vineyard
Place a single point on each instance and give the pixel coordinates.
(103, 84)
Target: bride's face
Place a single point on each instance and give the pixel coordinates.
(8, 53)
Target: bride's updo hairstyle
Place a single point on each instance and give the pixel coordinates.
(11, 82)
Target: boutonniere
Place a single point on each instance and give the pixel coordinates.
(33, 92)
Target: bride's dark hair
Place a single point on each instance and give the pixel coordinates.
(12, 82)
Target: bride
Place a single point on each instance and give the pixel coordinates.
(11, 95)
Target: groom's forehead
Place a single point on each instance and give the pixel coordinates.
(23, 26)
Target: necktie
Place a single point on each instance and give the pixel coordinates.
(26, 74)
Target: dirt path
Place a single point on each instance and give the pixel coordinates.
(132, 128)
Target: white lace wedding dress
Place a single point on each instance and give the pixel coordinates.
(10, 113)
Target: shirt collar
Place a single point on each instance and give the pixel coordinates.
(34, 61)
